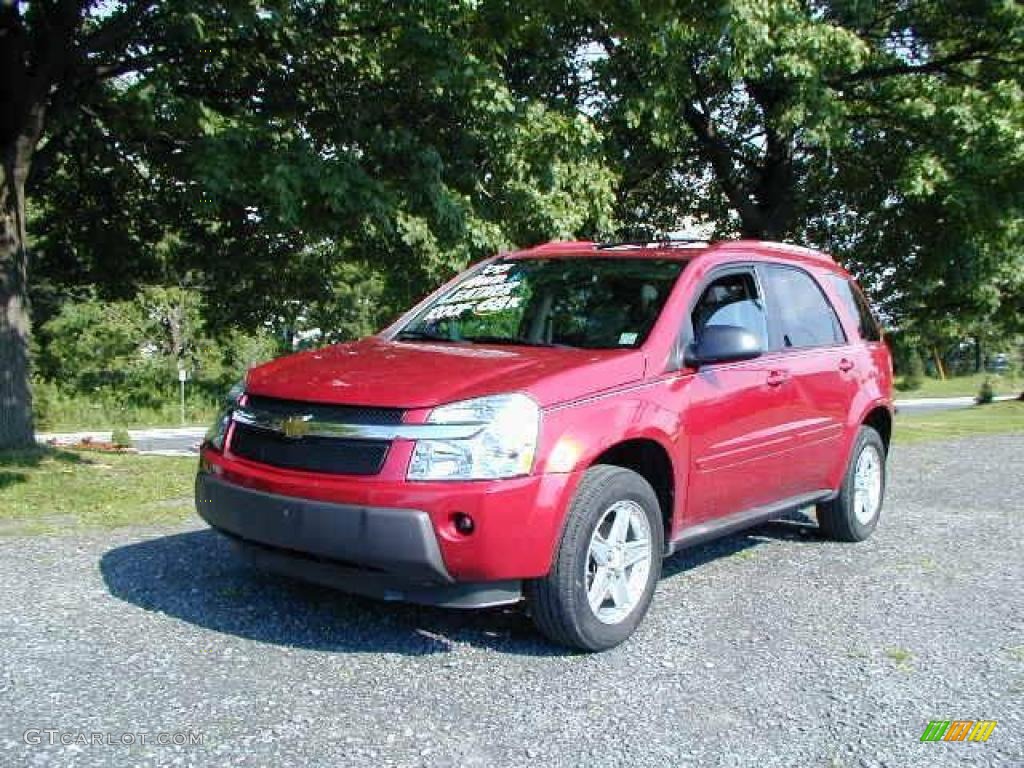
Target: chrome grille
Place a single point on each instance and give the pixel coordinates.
(314, 453)
(350, 414)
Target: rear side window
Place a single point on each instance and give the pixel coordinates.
(804, 316)
(732, 299)
(858, 307)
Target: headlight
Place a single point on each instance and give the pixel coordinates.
(215, 434)
(504, 446)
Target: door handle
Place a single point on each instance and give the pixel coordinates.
(845, 365)
(777, 377)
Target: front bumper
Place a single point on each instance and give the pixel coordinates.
(381, 552)
(518, 521)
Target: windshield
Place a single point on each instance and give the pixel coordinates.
(591, 303)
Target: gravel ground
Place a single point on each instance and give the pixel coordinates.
(768, 649)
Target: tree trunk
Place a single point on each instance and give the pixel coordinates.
(31, 63)
(15, 389)
(939, 369)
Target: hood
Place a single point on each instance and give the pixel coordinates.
(375, 372)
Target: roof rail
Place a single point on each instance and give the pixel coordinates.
(665, 242)
(787, 248)
(556, 246)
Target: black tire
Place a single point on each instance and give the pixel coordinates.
(558, 602)
(837, 518)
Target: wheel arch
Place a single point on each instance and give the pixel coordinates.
(879, 418)
(652, 461)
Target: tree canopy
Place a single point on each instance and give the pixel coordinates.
(890, 133)
(321, 164)
(288, 150)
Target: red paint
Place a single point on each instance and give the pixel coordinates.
(422, 375)
(738, 434)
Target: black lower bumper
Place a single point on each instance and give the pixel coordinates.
(391, 554)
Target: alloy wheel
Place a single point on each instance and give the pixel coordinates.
(618, 562)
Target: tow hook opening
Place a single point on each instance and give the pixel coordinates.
(463, 523)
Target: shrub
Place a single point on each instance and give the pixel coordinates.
(92, 343)
(59, 410)
(986, 394)
(99, 363)
(120, 438)
(914, 377)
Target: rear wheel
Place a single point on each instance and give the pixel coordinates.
(853, 514)
(607, 564)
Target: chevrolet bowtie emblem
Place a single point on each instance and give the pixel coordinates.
(296, 426)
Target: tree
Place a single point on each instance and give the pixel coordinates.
(753, 98)
(127, 353)
(51, 54)
(258, 145)
(321, 164)
(887, 132)
(408, 158)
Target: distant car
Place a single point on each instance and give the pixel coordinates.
(553, 422)
(999, 363)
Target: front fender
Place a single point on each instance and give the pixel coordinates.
(575, 435)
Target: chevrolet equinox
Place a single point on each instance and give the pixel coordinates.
(553, 422)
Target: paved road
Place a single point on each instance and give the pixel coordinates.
(767, 649)
(170, 441)
(928, 404)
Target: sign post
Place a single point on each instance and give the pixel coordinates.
(182, 378)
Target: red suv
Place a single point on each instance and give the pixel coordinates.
(553, 422)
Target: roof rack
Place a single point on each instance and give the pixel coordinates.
(665, 242)
(556, 246)
(788, 248)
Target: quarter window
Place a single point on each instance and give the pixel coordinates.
(858, 307)
(732, 299)
(805, 317)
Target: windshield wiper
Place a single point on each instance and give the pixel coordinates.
(511, 340)
(507, 340)
(422, 336)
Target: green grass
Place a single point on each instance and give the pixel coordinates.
(102, 416)
(923, 565)
(993, 419)
(902, 658)
(745, 554)
(60, 411)
(957, 386)
(52, 491)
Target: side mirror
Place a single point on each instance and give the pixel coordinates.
(723, 344)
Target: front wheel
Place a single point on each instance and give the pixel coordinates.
(853, 514)
(607, 564)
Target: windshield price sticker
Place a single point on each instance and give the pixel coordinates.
(490, 291)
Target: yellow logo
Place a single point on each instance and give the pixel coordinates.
(296, 426)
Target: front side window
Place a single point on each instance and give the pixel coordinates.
(732, 299)
(805, 317)
(594, 303)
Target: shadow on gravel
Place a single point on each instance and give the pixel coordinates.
(197, 577)
(795, 527)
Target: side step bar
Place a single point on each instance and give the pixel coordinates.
(700, 533)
